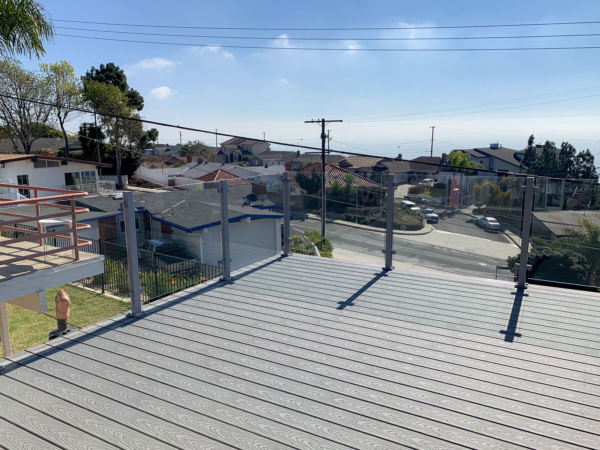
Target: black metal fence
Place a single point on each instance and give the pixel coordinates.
(160, 275)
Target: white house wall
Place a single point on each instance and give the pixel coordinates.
(50, 177)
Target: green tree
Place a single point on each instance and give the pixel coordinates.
(461, 159)
(108, 99)
(65, 94)
(566, 161)
(490, 194)
(309, 182)
(547, 164)
(153, 135)
(24, 120)
(529, 157)
(24, 26)
(198, 148)
(586, 242)
(585, 166)
(115, 76)
(92, 142)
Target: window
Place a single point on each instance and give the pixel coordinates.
(23, 180)
(491, 163)
(122, 225)
(43, 163)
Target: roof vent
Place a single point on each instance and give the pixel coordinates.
(495, 146)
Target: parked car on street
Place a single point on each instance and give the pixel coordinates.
(408, 203)
(427, 182)
(429, 215)
(415, 197)
(488, 223)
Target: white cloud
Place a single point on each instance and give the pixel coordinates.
(283, 81)
(162, 93)
(215, 50)
(352, 46)
(283, 40)
(151, 64)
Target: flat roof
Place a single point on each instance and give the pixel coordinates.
(306, 352)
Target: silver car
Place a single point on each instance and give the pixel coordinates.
(489, 223)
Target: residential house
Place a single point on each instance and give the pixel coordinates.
(411, 170)
(164, 150)
(337, 175)
(239, 149)
(193, 220)
(355, 162)
(157, 162)
(50, 172)
(305, 159)
(272, 158)
(220, 174)
(496, 157)
(552, 225)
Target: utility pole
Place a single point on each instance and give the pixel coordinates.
(323, 122)
(264, 136)
(180, 141)
(432, 130)
(97, 145)
(216, 145)
(328, 139)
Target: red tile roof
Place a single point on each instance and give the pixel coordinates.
(220, 174)
(336, 174)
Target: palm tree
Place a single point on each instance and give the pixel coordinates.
(24, 26)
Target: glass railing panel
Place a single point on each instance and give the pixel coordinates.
(565, 239)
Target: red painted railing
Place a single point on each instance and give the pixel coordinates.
(70, 211)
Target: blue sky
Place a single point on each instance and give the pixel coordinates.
(251, 91)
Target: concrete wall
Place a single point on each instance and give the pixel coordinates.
(155, 175)
(50, 177)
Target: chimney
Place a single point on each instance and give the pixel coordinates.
(444, 156)
(199, 160)
(189, 158)
(298, 154)
(288, 167)
(399, 156)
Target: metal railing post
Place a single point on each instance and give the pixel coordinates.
(523, 264)
(287, 235)
(135, 292)
(389, 224)
(226, 261)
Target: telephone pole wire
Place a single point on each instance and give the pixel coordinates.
(323, 122)
(432, 130)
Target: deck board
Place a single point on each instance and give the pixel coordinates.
(313, 353)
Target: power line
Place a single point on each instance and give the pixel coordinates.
(345, 49)
(287, 38)
(133, 119)
(480, 105)
(334, 29)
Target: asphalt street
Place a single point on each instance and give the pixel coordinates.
(371, 242)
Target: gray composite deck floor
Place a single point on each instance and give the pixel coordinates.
(313, 353)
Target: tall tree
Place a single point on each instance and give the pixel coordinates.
(585, 241)
(566, 161)
(24, 26)
(529, 157)
(153, 135)
(114, 75)
(65, 94)
(197, 148)
(92, 139)
(548, 162)
(109, 101)
(24, 119)
(585, 166)
(461, 159)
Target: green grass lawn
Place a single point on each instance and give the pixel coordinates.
(28, 328)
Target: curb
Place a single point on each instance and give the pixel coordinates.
(426, 230)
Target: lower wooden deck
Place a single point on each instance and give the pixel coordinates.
(313, 353)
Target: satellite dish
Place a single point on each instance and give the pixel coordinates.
(262, 197)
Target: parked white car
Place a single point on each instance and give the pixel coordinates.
(427, 182)
(408, 203)
(429, 215)
(489, 223)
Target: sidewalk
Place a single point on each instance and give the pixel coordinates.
(426, 229)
